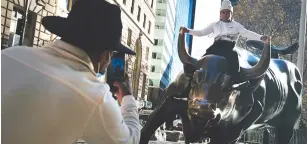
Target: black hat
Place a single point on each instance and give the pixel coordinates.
(93, 25)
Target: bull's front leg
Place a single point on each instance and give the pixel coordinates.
(170, 105)
(157, 118)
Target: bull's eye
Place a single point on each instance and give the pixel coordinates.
(200, 76)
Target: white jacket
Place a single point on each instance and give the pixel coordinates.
(227, 31)
(51, 95)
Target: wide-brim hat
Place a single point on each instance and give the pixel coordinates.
(92, 25)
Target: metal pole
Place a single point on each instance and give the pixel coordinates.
(25, 17)
(300, 59)
(302, 34)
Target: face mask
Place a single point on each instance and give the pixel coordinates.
(99, 72)
(100, 76)
(103, 72)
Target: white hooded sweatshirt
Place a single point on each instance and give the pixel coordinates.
(226, 31)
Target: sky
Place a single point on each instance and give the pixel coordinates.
(207, 11)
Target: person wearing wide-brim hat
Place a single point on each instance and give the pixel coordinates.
(52, 94)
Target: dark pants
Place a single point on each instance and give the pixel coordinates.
(225, 49)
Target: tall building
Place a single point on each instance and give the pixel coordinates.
(163, 42)
(165, 63)
(138, 17)
(185, 12)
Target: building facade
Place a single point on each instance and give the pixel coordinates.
(138, 18)
(163, 41)
(181, 15)
(12, 13)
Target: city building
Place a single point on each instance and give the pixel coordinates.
(163, 42)
(191, 14)
(165, 63)
(185, 12)
(138, 17)
(12, 13)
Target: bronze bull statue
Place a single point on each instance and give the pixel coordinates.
(272, 97)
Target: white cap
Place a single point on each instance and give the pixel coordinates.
(226, 4)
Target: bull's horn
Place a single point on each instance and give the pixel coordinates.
(261, 67)
(185, 58)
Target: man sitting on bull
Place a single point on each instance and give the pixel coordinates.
(226, 32)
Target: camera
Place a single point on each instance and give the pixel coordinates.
(116, 70)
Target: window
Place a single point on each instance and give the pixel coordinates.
(139, 13)
(144, 22)
(161, 12)
(158, 42)
(155, 41)
(149, 26)
(124, 1)
(161, 1)
(154, 55)
(153, 69)
(150, 82)
(159, 25)
(129, 37)
(159, 55)
(132, 6)
(147, 53)
(16, 28)
(152, 2)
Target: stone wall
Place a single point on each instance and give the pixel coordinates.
(38, 8)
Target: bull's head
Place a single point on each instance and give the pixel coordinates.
(207, 97)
